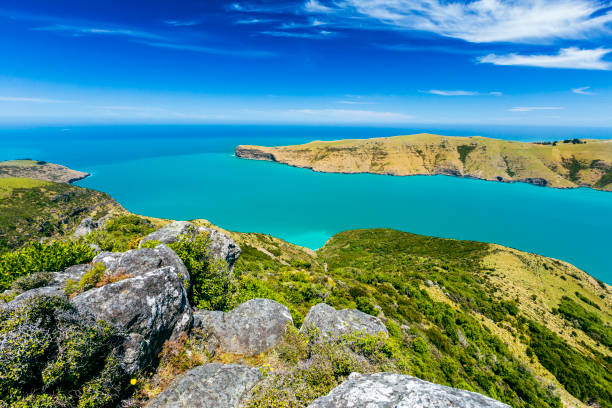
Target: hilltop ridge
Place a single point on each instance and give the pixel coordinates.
(563, 164)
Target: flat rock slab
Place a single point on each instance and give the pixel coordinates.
(386, 390)
(209, 386)
(253, 327)
(332, 323)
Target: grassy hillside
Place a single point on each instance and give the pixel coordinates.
(33, 209)
(564, 164)
(40, 170)
(525, 329)
(482, 317)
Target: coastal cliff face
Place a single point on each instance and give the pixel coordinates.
(565, 164)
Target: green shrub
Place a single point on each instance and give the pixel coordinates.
(212, 286)
(37, 257)
(122, 233)
(50, 353)
(33, 281)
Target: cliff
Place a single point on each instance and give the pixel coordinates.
(563, 164)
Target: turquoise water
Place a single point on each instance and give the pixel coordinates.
(190, 172)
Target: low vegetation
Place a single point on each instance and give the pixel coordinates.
(32, 209)
(49, 358)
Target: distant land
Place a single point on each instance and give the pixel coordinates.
(40, 170)
(568, 163)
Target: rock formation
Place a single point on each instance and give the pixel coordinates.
(386, 390)
(332, 323)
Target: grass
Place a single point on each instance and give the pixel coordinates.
(33, 209)
(562, 165)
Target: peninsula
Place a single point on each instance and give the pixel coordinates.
(40, 170)
(562, 164)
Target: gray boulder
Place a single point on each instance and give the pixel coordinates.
(222, 247)
(219, 245)
(253, 327)
(209, 386)
(88, 225)
(150, 307)
(140, 261)
(386, 390)
(19, 300)
(74, 272)
(332, 323)
(170, 233)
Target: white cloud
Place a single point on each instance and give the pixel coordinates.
(349, 102)
(460, 93)
(482, 21)
(210, 50)
(316, 35)
(571, 58)
(534, 108)
(31, 100)
(583, 90)
(313, 6)
(348, 116)
(181, 23)
(80, 30)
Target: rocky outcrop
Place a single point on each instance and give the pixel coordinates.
(171, 233)
(332, 323)
(209, 386)
(222, 247)
(219, 245)
(140, 261)
(148, 302)
(386, 390)
(253, 327)
(89, 225)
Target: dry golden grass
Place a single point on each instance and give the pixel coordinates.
(476, 157)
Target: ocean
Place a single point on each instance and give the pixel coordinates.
(188, 172)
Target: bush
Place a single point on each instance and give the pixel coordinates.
(33, 281)
(50, 353)
(37, 257)
(212, 285)
(122, 233)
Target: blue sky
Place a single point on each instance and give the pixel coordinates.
(533, 62)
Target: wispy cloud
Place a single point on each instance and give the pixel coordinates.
(570, 58)
(32, 100)
(211, 50)
(255, 21)
(460, 93)
(317, 35)
(313, 6)
(352, 102)
(351, 116)
(100, 30)
(583, 90)
(181, 23)
(482, 21)
(534, 108)
(154, 40)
